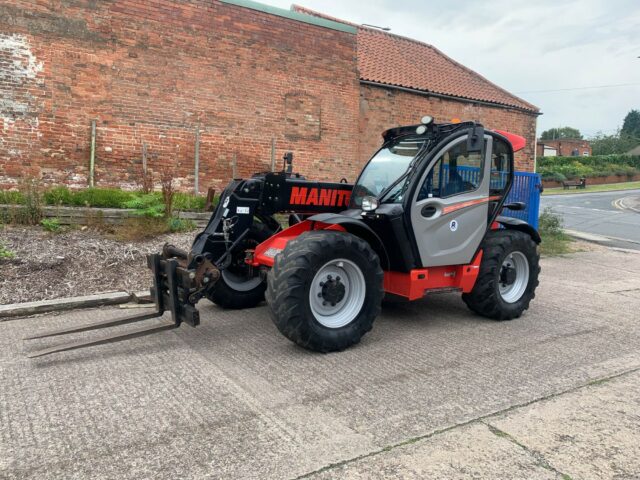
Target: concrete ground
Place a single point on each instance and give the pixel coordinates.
(612, 215)
(432, 392)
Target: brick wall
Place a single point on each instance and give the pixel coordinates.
(566, 147)
(382, 108)
(152, 71)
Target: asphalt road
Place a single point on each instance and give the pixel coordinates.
(615, 215)
(432, 392)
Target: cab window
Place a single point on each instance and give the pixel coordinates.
(500, 166)
(456, 171)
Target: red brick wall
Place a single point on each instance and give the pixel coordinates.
(382, 108)
(565, 147)
(151, 71)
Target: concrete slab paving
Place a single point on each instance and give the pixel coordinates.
(234, 399)
(471, 451)
(593, 432)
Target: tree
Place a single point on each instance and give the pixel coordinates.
(602, 144)
(562, 132)
(631, 124)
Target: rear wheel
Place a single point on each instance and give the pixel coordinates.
(239, 285)
(325, 290)
(508, 276)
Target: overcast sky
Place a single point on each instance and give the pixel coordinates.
(526, 46)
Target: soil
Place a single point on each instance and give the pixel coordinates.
(76, 262)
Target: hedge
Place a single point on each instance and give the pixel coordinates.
(562, 168)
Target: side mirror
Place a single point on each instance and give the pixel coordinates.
(475, 142)
(515, 206)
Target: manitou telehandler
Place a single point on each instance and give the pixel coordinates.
(422, 217)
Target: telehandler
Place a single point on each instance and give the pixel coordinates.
(424, 216)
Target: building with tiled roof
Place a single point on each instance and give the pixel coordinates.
(388, 59)
(214, 89)
(401, 64)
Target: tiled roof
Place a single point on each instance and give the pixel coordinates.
(390, 59)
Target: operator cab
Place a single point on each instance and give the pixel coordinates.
(432, 189)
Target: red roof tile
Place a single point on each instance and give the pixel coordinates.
(390, 59)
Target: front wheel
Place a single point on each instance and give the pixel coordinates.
(325, 290)
(508, 275)
(240, 286)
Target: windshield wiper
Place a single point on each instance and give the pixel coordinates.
(402, 177)
(387, 190)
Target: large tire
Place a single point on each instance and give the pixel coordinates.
(325, 290)
(234, 290)
(499, 293)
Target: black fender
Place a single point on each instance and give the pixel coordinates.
(511, 223)
(359, 229)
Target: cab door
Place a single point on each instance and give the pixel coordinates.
(450, 207)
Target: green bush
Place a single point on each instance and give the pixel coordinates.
(185, 201)
(5, 253)
(547, 174)
(101, 197)
(51, 225)
(554, 240)
(595, 166)
(30, 212)
(143, 200)
(11, 197)
(180, 225)
(549, 223)
(114, 198)
(90, 197)
(58, 196)
(149, 203)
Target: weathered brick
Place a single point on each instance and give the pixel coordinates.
(151, 72)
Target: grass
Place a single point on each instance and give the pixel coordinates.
(607, 187)
(554, 240)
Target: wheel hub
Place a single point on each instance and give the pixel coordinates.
(507, 275)
(337, 293)
(514, 277)
(333, 290)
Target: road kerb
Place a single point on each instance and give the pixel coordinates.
(8, 312)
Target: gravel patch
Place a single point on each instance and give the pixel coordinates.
(73, 263)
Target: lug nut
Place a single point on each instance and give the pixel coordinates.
(338, 278)
(322, 284)
(319, 295)
(329, 277)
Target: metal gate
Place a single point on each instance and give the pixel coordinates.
(526, 188)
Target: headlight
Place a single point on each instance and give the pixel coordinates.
(369, 203)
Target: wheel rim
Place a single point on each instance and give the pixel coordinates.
(239, 283)
(514, 277)
(337, 293)
(236, 275)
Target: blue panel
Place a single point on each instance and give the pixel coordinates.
(526, 188)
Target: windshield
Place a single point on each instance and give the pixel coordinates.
(387, 166)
